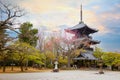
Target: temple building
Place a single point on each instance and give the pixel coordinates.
(82, 39)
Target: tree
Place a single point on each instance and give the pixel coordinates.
(62, 46)
(22, 52)
(50, 57)
(69, 47)
(62, 61)
(52, 47)
(28, 34)
(37, 58)
(117, 59)
(111, 59)
(5, 55)
(8, 14)
(99, 54)
(41, 40)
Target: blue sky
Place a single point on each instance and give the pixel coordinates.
(103, 15)
(110, 41)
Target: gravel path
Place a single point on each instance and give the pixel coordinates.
(62, 75)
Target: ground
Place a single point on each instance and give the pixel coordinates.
(62, 75)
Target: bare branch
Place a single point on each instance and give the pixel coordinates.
(12, 12)
(13, 29)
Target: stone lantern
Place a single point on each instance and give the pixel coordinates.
(56, 66)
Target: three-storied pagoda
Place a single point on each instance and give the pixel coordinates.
(82, 39)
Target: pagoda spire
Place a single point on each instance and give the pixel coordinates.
(81, 13)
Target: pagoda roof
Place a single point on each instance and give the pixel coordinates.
(94, 41)
(82, 28)
(78, 26)
(86, 56)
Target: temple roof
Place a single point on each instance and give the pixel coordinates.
(82, 28)
(78, 26)
(86, 55)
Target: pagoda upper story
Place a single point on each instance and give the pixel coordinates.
(82, 33)
(81, 30)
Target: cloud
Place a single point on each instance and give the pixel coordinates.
(39, 6)
(96, 7)
(68, 16)
(42, 6)
(110, 16)
(53, 13)
(93, 20)
(111, 19)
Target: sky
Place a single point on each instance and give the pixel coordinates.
(54, 15)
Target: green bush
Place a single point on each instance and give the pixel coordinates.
(50, 66)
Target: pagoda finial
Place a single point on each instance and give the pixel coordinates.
(80, 13)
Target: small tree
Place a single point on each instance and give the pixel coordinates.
(111, 58)
(70, 48)
(22, 52)
(117, 59)
(5, 56)
(37, 58)
(50, 57)
(63, 61)
(99, 54)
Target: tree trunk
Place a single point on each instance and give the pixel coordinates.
(45, 62)
(12, 67)
(26, 66)
(21, 66)
(68, 61)
(0, 66)
(112, 67)
(4, 66)
(101, 68)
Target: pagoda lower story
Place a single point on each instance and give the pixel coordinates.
(85, 59)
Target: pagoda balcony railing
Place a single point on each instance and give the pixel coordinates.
(81, 38)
